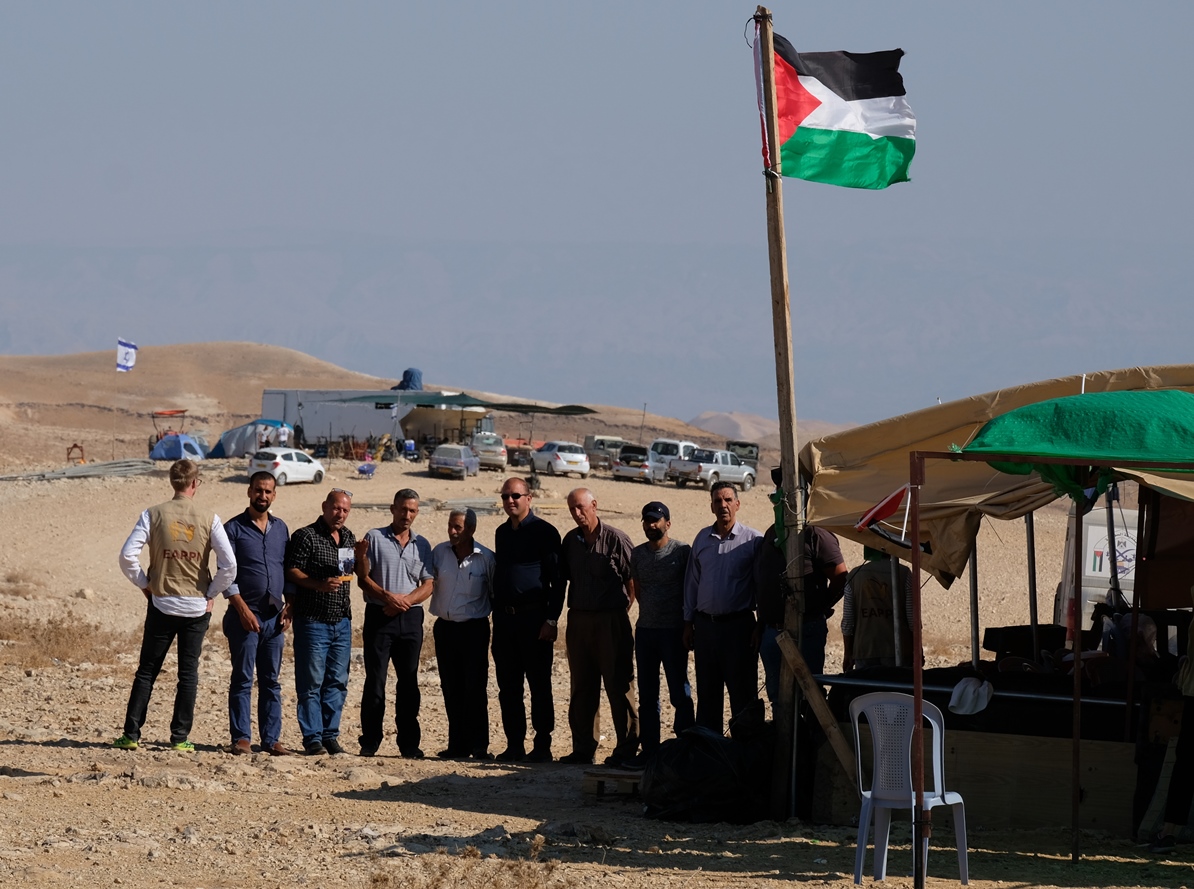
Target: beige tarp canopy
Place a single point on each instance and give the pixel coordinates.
(851, 471)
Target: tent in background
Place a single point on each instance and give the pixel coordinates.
(851, 471)
(176, 447)
(242, 440)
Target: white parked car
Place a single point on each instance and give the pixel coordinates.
(287, 465)
(561, 458)
(632, 463)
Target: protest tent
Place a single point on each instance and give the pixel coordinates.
(242, 440)
(176, 447)
(849, 472)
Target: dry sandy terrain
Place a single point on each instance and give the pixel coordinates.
(76, 812)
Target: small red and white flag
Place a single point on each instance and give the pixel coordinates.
(885, 508)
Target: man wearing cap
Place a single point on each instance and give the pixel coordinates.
(394, 569)
(719, 616)
(657, 568)
(870, 620)
(463, 571)
(527, 600)
(596, 564)
(319, 564)
(178, 589)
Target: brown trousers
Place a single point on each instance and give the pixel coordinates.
(601, 652)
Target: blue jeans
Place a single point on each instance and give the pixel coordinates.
(160, 632)
(813, 635)
(653, 648)
(259, 652)
(321, 657)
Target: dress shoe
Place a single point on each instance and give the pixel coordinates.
(240, 748)
(511, 754)
(575, 758)
(332, 746)
(315, 749)
(539, 754)
(413, 754)
(620, 761)
(276, 749)
(449, 753)
(367, 751)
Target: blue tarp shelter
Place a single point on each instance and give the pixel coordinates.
(176, 447)
(242, 440)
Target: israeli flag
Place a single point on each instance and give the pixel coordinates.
(126, 355)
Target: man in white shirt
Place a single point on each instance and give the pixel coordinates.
(179, 589)
(463, 571)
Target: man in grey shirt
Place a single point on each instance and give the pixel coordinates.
(719, 616)
(657, 570)
(394, 570)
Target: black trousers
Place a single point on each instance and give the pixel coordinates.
(1181, 781)
(397, 640)
(726, 661)
(462, 652)
(521, 660)
(160, 632)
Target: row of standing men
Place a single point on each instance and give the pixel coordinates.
(721, 598)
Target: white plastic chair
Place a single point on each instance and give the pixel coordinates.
(889, 715)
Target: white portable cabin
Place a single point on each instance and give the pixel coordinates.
(329, 412)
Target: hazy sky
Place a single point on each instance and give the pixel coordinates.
(563, 201)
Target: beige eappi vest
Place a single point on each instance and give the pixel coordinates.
(874, 617)
(179, 548)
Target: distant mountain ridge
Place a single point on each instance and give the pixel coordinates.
(764, 430)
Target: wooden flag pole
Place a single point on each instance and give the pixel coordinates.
(785, 708)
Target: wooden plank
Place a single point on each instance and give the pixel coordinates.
(816, 700)
(611, 782)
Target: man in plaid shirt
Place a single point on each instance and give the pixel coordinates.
(319, 567)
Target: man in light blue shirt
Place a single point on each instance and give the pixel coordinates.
(461, 602)
(719, 616)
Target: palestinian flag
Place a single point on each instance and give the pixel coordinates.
(843, 119)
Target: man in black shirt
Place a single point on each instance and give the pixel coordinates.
(319, 566)
(527, 600)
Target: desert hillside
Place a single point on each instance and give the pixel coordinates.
(48, 403)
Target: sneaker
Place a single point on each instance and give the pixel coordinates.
(539, 754)
(183, 746)
(315, 749)
(449, 753)
(482, 756)
(577, 759)
(332, 746)
(124, 742)
(413, 754)
(367, 751)
(1165, 843)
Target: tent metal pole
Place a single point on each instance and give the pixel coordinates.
(975, 654)
(896, 610)
(1030, 536)
(1076, 773)
(922, 824)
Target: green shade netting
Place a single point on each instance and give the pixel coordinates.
(1099, 429)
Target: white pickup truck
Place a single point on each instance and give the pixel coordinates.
(707, 467)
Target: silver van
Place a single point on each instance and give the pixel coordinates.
(490, 447)
(663, 451)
